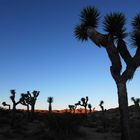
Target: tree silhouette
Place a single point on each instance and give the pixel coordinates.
(72, 108)
(136, 101)
(90, 107)
(50, 101)
(113, 41)
(5, 104)
(101, 105)
(31, 99)
(24, 100)
(12, 97)
(84, 103)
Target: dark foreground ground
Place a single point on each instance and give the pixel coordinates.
(66, 126)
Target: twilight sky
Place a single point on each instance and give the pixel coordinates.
(38, 51)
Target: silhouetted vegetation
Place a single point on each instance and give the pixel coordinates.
(90, 107)
(84, 103)
(113, 41)
(5, 104)
(50, 101)
(136, 101)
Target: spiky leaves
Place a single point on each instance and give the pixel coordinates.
(136, 22)
(114, 25)
(136, 31)
(50, 99)
(89, 17)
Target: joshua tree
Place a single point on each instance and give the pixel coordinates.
(136, 101)
(90, 107)
(72, 108)
(50, 100)
(84, 103)
(31, 99)
(12, 97)
(5, 104)
(101, 105)
(24, 100)
(113, 41)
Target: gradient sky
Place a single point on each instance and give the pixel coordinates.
(38, 51)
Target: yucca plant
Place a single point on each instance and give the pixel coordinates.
(90, 107)
(101, 105)
(50, 101)
(5, 104)
(136, 101)
(113, 41)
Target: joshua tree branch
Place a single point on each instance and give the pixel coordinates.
(122, 48)
(107, 42)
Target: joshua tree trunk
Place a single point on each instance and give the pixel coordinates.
(27, 108)
(124, 113)
(32, 108)
(14, 107)
(9, 107)
(85, 110)
(50, 107)
(90, 110)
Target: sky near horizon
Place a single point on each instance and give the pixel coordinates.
(38, 51)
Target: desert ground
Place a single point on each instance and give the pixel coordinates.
(66, 126)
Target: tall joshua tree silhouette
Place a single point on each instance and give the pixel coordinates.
(113, 41)
(136, 101)
(12, 97)
(50, 101)
(5, 104)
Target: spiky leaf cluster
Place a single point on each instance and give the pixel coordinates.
(114, 24)
(50, 99)
(89, 18)
(136, 31)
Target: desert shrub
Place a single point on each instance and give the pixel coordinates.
(64, 124)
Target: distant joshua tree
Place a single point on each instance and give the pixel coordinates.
(12, 97)
(24, 100)
(84, 103)
(101, 105)
(31, 99)
(5, 104)
(114, 42)
(90, 107)
(50, 101)
(136, 101)
(72, 108)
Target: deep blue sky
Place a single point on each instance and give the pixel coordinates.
(38, 51)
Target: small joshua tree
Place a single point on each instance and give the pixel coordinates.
(50, 101)
(136, 101)
(5, 104)
(84, 103)
(72, 108)
(90, 107)
(101, 105)
(12, 97)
